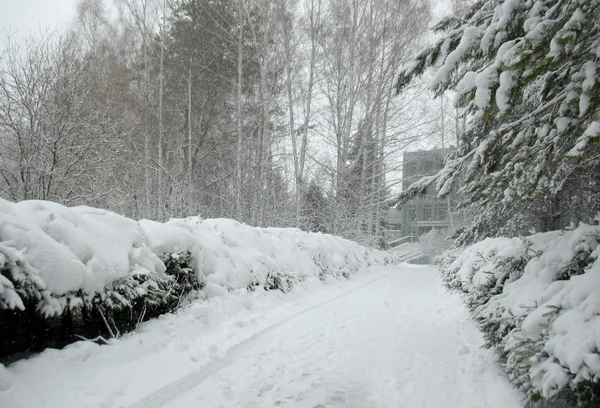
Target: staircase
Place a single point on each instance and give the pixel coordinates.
(408, 251)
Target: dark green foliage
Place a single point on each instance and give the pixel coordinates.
(179, 265)
(496, 323)
(119, 308)
(581, 261)
(281, 281)
(25, 282)
(314, 209)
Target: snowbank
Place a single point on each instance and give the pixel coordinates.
(387, 338)
(537, 300)
(56, 261)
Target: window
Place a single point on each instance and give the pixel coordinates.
(411, 168)
(428, 166)
(412, 213)
(443, 211)
(427, 213)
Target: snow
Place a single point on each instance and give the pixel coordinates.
(577, 18)
(592, 131)
(61, 250)
(507, 10)
(590, 71)
(539, 31)
(468, 40)
(488, 35)
(508, 52)
(534, 16)
(496, 30)
(73, 248)
(466, 84)
(389, 337)
(562, 123)
(503, 91)
(484, 81)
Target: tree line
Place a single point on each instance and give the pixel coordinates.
(272, 112)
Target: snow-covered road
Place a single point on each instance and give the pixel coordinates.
(391, 337)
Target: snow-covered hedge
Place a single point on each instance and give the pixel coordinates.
(537, 300)
(73, 266)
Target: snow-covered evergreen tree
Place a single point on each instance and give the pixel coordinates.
(525, 72)
(314, 209)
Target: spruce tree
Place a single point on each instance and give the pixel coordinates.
(314, 209)
(525, 73)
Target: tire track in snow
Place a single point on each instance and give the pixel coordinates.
(179, 387)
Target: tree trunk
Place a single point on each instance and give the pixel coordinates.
(238, 153)
(161, 210)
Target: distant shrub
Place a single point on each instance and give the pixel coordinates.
(434, 242)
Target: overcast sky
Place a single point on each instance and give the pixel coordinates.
(21, 17)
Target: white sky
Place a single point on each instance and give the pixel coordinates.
(18, 18)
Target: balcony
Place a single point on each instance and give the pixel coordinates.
(433, 223)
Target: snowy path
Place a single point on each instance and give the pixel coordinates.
(390, 338)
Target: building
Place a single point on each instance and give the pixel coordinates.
(392, 225)
(427, 211)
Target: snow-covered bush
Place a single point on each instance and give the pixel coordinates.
(89, 272)
(537, 300)
(434, 242)
(179, 265)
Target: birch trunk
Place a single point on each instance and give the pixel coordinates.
(160, 198)
(238, 153)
